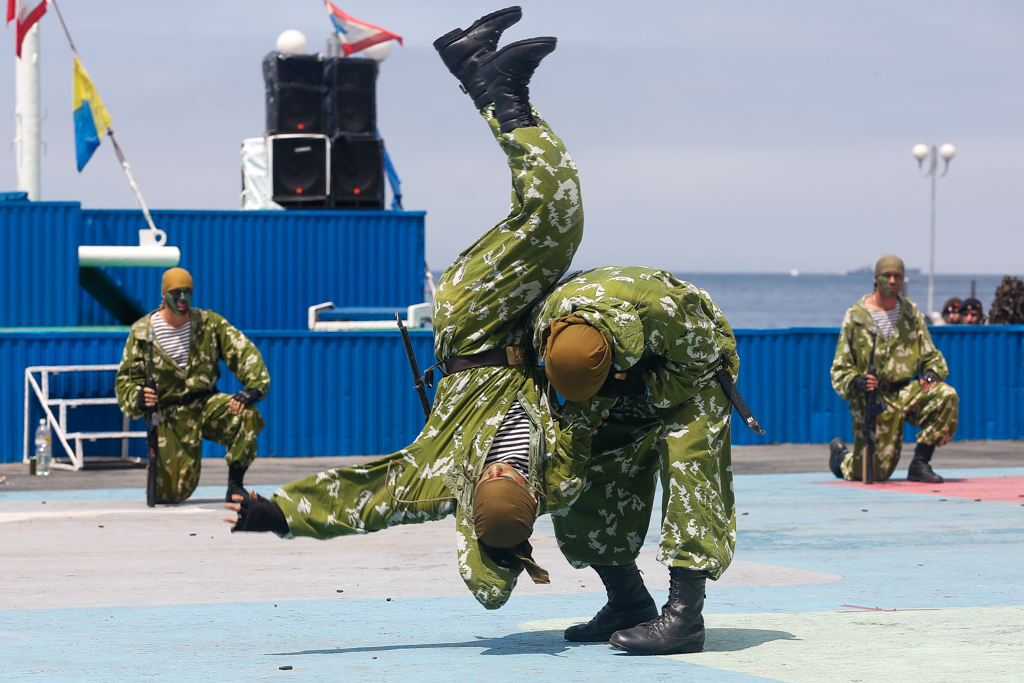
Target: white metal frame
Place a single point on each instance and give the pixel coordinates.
(417, 315)
(58, 425)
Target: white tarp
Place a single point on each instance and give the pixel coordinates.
(257, 186)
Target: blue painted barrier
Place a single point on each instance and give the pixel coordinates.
(350, 393)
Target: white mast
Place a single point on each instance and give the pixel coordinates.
(26, 113)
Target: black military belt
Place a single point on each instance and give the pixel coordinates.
(189, 397)
(510, 355)
(892, 387)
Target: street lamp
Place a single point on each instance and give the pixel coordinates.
(922, 152)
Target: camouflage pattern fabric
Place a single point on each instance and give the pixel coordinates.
(480, 304)
(676, 337)
(904, 356)
(183, 426)
(1008, 306)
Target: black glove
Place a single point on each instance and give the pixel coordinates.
(140, 398)
(931, 376)
(248, 396)
(260, 514)
(860, 383)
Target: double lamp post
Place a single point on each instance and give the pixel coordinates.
(923, 152)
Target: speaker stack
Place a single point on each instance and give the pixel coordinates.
(323, 149)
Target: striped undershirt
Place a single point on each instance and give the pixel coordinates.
(886, 320)
(173, 340)
(512, 443)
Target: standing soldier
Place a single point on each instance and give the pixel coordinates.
(189, 345)
(656, 343)
(910, 378)
(490, 453)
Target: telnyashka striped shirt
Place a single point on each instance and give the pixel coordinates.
(886, 320)
(512, 443)
(173, 340)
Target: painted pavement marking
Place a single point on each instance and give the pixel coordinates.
(975, 644)
(1000, 489)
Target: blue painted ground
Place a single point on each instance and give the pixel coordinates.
(893, 550)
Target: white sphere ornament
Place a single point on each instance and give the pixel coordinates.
(947, 151)
(378, 52)
(920, 151)
(291, 42)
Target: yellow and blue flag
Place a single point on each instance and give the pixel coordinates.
(91, 117)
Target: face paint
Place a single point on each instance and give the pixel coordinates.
(172, 298)
(883, 285)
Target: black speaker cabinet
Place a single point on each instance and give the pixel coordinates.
(357, 172)
(300, 170)
(350, 105)
(295, 93)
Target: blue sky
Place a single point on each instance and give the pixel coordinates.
(727, 136)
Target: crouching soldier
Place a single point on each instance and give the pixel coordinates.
(910, 377)
(187, 348)
(653, 345)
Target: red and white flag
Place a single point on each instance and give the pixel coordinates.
(356, 35)
(25, 13)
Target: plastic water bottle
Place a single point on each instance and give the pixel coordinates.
(44, 452)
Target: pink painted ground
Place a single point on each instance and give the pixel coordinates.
(1004, 489)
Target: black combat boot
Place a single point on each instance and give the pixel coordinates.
(837, 453)
(507, 74)
(679, 629)
(461, 51)
(235, 485)
(920, 467)
(628, 604)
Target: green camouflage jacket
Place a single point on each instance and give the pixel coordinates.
(903, 356)
(670, 329)
(213, 339)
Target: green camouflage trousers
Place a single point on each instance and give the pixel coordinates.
(481, 303)
(180, 438)
(689, 447)
(933, 411)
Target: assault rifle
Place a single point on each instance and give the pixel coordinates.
(418, 383)
(152, 433)
(872, 408)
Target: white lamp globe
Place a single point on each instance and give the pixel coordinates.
(291, 42)
(378, 52)
(947, 151)
(920, 151)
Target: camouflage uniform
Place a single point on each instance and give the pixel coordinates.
(903, 357)
(183, 426)
(677, 337)
(482, 303)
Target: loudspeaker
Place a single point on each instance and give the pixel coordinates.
(300, 170)
(357, 172)
(350, 105)
(295, 93)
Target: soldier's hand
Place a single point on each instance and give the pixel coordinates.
(870, 382)
(149, 397)
(235, 406)
(926, 385)
(236, 506)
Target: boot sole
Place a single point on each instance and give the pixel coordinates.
(689, 648)
(453, 35)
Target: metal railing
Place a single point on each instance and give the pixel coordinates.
(58, 424)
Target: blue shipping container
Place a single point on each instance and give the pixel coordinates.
(263, 269)
(39, 263)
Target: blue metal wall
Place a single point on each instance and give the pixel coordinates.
(331, 393)
(349, 393)
(263, 269)
(784, 377)
(39, 263)
(260, 269)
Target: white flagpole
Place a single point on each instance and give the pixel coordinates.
(26, 114)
